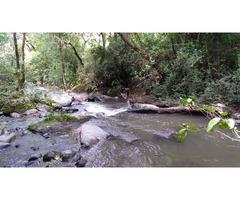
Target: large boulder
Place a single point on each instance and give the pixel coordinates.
(91, 134)
(79, 96)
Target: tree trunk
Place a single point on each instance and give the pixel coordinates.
(61, 41)
(23, 60)
(103, 40)
(63, 68)
(125, 38)
(19, 86)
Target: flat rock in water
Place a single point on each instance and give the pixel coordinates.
(15, 115)
(4, 145)
(31, 112)
(91, 134)
(79, 96)
(6, 138)
(67, 154)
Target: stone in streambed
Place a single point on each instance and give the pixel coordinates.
(90, 134)
(66, 155)
(81, 163)
(4, 145)
(6, 138)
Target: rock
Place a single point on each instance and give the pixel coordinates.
(93, 99)
(91, 134)
(33, 112)
(61, 97)
(79, 96)
(237, 123)
(46, 135)
(15, 115)
(49, 156)
(69, 109)
(6, 138)
(17, 145)
(4, 145)
(76, 157)
(34, 157)
(66, 155)
(81, 163)
(42, 114)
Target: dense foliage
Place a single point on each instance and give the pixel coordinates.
(165, 65)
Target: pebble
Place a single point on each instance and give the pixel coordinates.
(81, 163)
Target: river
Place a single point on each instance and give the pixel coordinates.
(137, 140)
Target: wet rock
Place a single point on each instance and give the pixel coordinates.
(32, 112)
(76, 157)
(49, 156)
(91, 134)
(81, 163)
(46, 135)
(61, 98)
(34, 157)
(15, 115)
(79, 96)
(6, 138)
(42, 114)
(237, 123)
(93, 99)
(66, 155)
(4, 145)
(69, 109)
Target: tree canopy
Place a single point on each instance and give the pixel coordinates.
(164, 65)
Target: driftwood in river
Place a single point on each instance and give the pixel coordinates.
(149, 108)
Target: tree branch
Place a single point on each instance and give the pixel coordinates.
(125, 38)
(63, 42)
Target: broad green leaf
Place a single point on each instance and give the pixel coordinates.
(182, 134)
(212, 123)
(193, 128)
(223, 125)
(210, 109)
(184, 102)
(224, 114)
(193, 97)
(231, 123)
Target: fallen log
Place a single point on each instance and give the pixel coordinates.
(149, 108)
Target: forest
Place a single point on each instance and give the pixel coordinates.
(116, 83)
(166, 66)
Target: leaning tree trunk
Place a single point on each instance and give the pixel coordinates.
(19, 86)
(23, 60)
(63, 69)
(141, 51)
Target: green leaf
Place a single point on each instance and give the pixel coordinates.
(223, 125)
(231, 123)
(212, 123)
(182, 134)
(193, 128)
(224, 114)
(210, 109)
(193, 97)
(184, 102)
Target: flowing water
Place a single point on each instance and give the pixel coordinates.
(137, 140)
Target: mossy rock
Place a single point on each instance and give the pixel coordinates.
(57, 123)
(17, 106)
